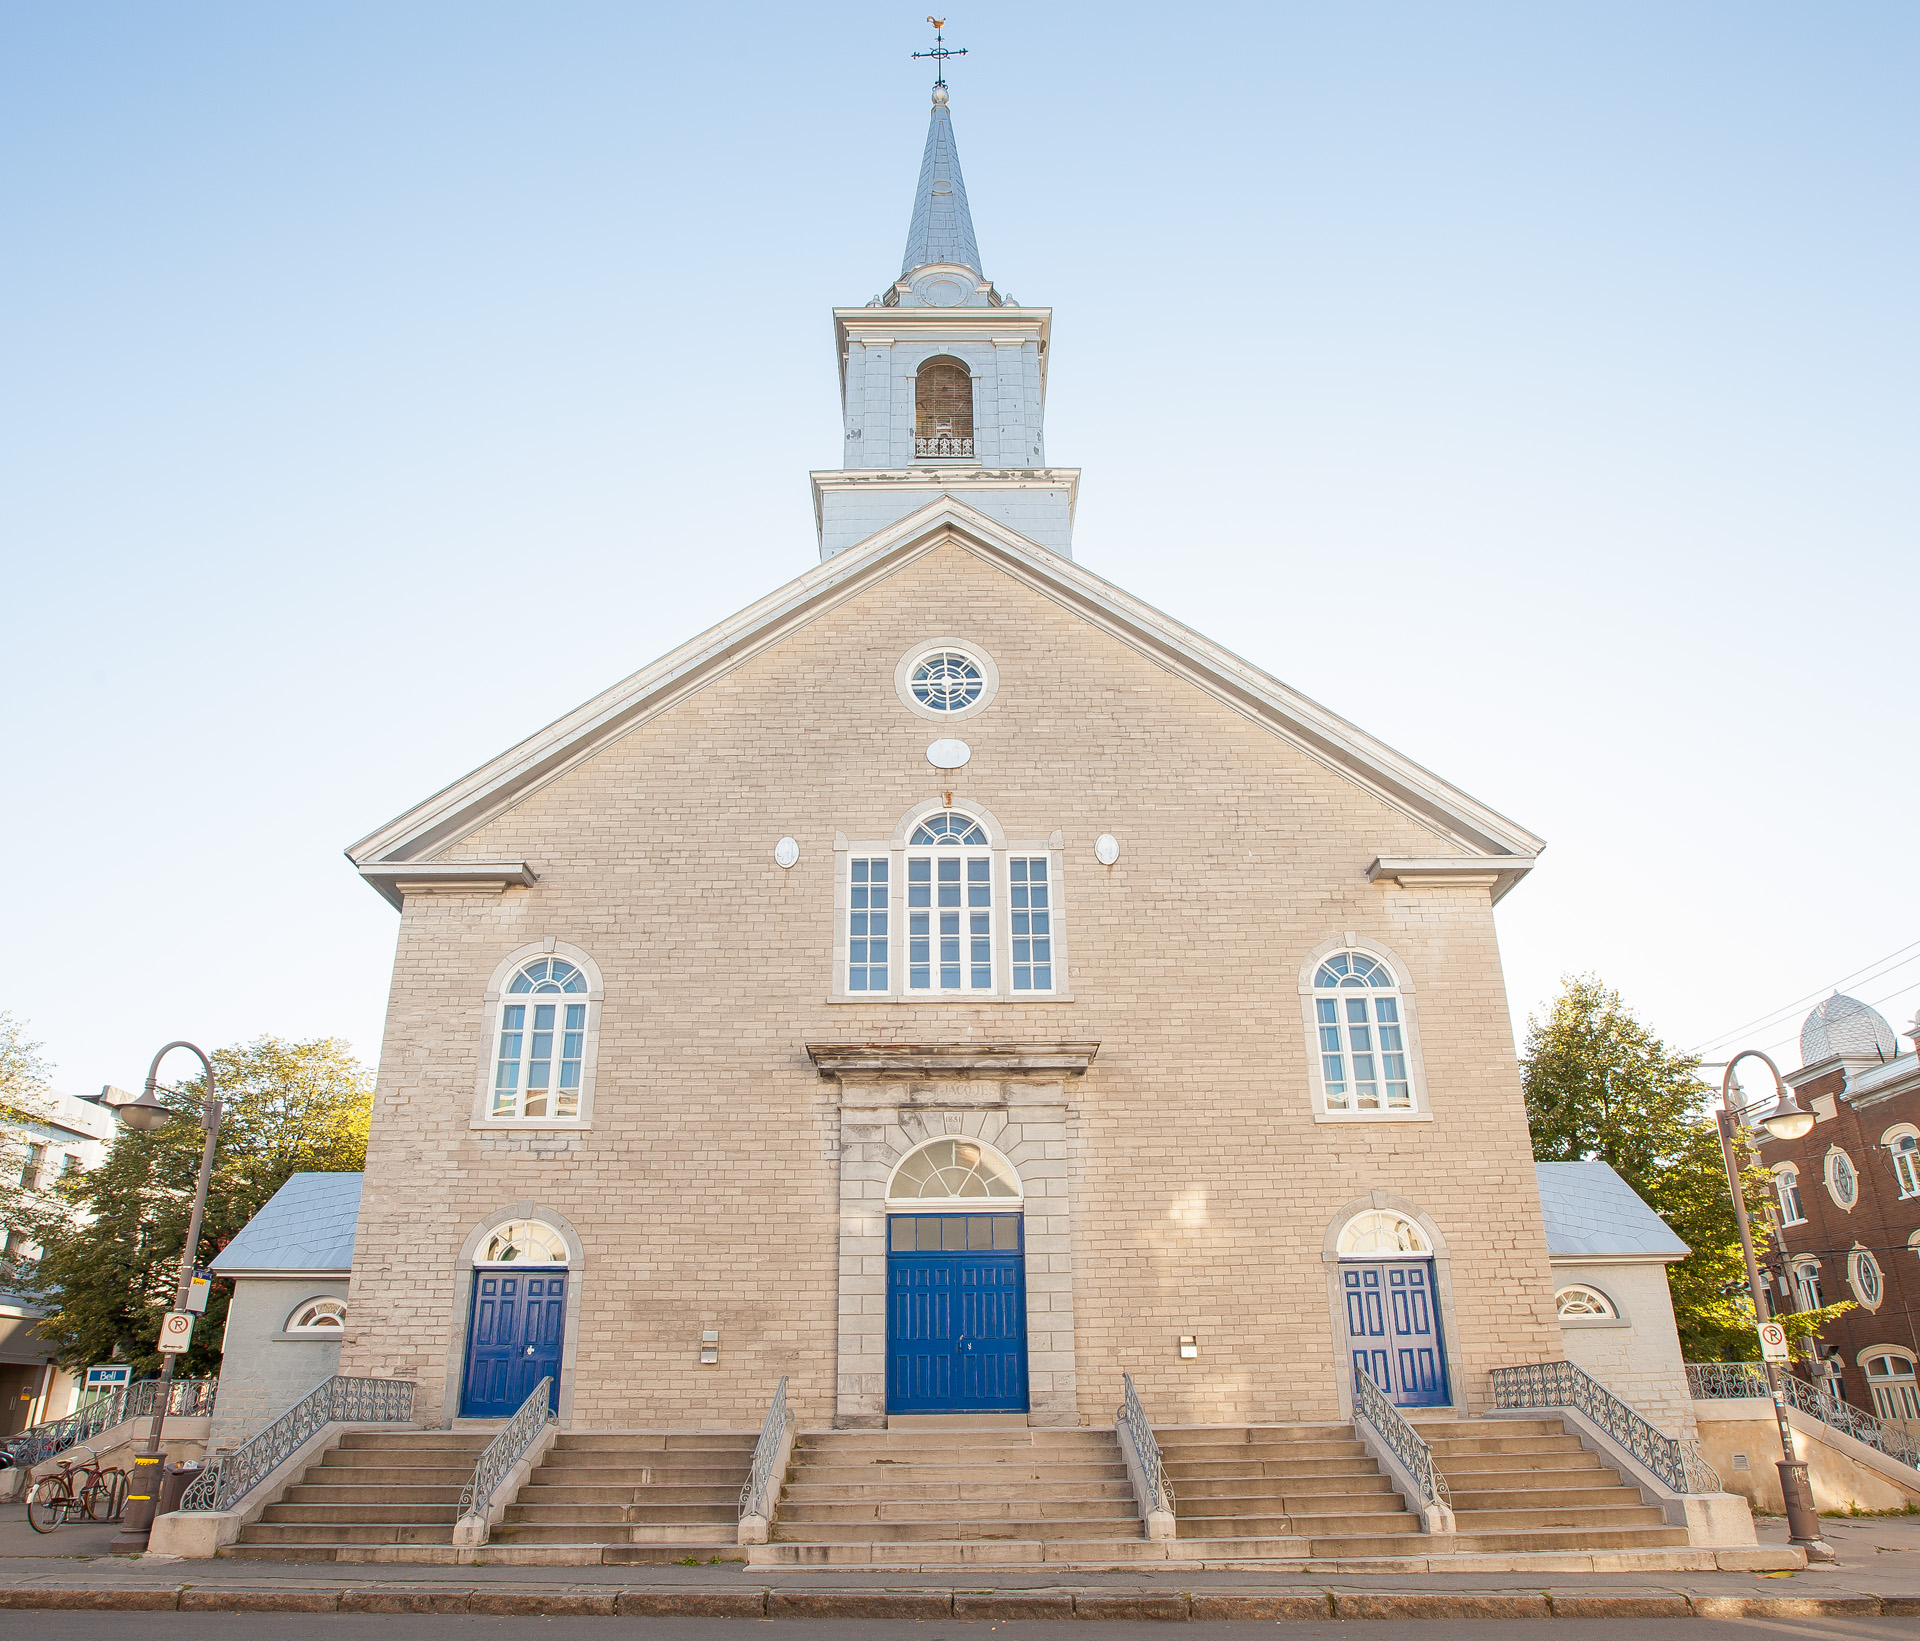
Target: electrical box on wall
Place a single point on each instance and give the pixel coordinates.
(710, 1348)
(1189, 1347)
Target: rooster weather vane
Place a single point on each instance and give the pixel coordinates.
(940, 53)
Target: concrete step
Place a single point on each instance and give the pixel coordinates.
(1290, 1504)
(707, 1538)
(658, 1441)
(1498, 1469)
(1437, 1429)
(427, 1441)
(912, 1532)
(320, 1514)
(933, 1493)
(1260, 1452)
(1575, 1539)
(545, 1492)
(952, 1440)
(1274, 1467)
(1288, 1525)
(1059, 1553)
(1532, 1520)
(795, 1515)
(1270, 1487)
(978, 1474)
(638, 1476)
(361, 1532)
(374, 1498)
(326, 1475)
(1605, 1493)
(1533, 1446)
(655, 1514)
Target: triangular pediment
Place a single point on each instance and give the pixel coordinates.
(1467, 833)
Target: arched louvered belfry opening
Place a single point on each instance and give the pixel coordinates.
(943, 408)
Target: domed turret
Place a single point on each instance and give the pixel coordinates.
(1846, 1026)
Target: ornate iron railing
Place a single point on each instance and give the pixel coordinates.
(508, 1448)
(761, 1490)
(1140, 1428)
(1674, 1459)
(1723, 1381)
(226, 1479)
(943, 444)
(1371, 1403)
(187, 1398)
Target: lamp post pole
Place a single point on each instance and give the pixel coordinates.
(1786, 1121)
(144, 1115)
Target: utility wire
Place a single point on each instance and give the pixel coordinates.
(1765, 1020)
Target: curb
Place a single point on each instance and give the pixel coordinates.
(1163, 1607)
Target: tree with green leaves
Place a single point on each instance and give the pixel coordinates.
(1601, 1084)
(25, 1100)
(111, 1258)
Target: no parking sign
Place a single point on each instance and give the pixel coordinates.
(176, 1332)
(1773, 1342)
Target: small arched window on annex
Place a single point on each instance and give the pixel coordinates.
(1582, 1305)
(1865, 1277)
(1843, 1181)
(1357, 1005)
(541, 1041)
(1891, 1379)
(1902, 1144)
(321, 1317)
(943, 410)
(954, 1194)
(1786, 1192)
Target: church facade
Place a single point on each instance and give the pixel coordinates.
(949, 983)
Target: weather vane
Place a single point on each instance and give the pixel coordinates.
(940, 53)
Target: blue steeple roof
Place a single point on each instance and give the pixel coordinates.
(942, 228)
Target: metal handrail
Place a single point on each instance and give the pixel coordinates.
(508, 1448)
(1676, 1460)
(1140, 1428)
(188, 1398)
(1371, 1403)
(231, 1476)
(1723, 1381)
(761, 1490)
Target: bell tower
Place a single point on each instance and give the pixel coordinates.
(943, 382)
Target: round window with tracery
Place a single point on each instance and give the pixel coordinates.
(947, 681)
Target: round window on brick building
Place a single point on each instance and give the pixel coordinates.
(946, 679)
(1843, 1184)
(1863, 1276)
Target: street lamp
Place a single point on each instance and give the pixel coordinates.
(145, 1116)
(1788, 1120)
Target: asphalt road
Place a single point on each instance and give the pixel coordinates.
(166, 1626)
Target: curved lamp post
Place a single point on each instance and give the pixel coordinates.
(144, 1116)
(1788, 1120)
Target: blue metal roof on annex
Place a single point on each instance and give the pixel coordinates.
(307, 1226)
(1591, 1212)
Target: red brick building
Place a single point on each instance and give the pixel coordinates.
(1847, 1200)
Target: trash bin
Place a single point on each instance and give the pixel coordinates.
(174, 1482)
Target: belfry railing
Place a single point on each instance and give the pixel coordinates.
(1676, 1460)
(943, 444)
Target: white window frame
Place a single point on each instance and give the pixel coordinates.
(999, 849)
(989, 680)
(1409, 1010)
(1611, 1317)
(492, 1006)
(1894, 1396)
(1807, 1292)
(290, 1328)
(1858, 1259)
(1830, 1168)
(1787, 1195)
(958, 1205)
(1906, 1162)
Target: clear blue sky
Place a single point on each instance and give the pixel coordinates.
(1534, 385)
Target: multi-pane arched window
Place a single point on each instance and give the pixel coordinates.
(1806, 1285)
(1890, 1377)
(943, 408)
(949, 904)
(1580, 1303)
(1905, 1150)
(1786, 1190)
(954, 1169)
(543, 1034)
(322, 1316)
(1362, 1042)
(1377, 1232)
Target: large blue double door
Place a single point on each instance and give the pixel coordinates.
(514, 1337)
(956, 1314)
(1393, 1329)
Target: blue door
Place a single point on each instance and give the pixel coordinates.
(1393, 1329)
(956, 1314)
(514, 1336)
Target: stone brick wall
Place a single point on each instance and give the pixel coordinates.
(709, 1192)
(261, 1376)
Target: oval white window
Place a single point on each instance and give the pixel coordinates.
(1863, 1276)
(1843, 1185)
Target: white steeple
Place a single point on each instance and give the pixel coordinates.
(943, 384)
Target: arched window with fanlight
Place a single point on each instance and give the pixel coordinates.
(949, 905)
(1786, 1191)
(1903, 1145)
(541, 1047)
(943, 410)
(1361, 1035)
(322, 1318)
(1582, 1302)
(1891, 1379)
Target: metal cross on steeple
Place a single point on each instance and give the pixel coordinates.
(940, 53)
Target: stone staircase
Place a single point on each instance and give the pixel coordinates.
(645, 1497)
(374, 1497)
(1527, 1485)
(947, 1497)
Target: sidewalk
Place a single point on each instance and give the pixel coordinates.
(1878, 1574)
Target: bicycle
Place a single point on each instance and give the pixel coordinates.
(79, 1492)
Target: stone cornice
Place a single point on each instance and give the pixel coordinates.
(448, 877)
(1496, 874)
(971, 1061)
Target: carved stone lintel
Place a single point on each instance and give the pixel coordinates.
(951, 1062)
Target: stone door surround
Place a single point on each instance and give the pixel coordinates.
(896, 1096)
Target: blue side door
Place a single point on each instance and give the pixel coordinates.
(1393, 1329)
(956, 1314)
(517, 1326)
